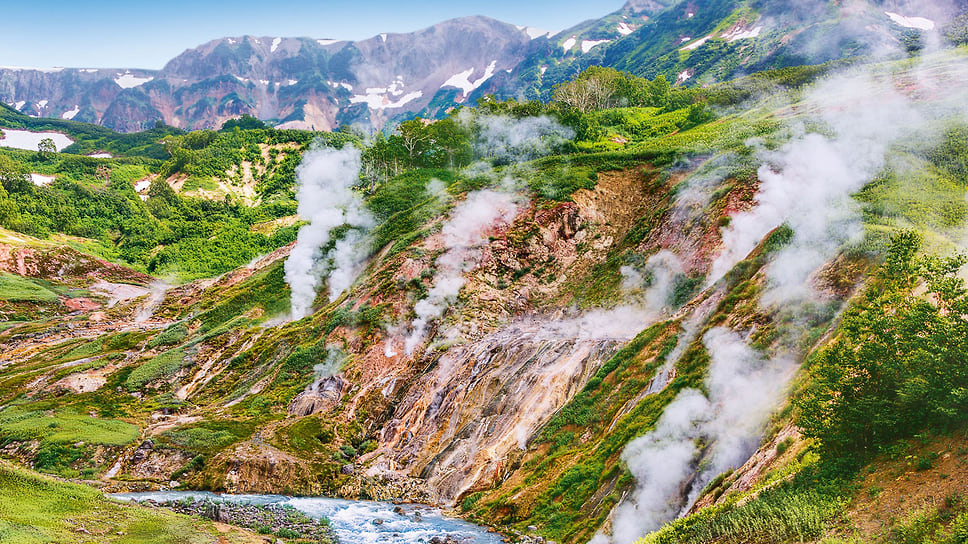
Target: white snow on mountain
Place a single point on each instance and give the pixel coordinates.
(587, 45)
(920, 23)
(463, 81)
(70, 114)
(128, 80)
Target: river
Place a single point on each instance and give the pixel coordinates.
(354, 521)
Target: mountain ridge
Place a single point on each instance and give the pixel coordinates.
(321, 84)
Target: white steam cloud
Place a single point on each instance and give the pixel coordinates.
(498, 140)
(807, 184)
(464, 236)
(331, 364)
(327, 200)
(743, 389)
(659, 274)
(510, 140)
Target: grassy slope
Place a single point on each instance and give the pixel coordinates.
(37, 509)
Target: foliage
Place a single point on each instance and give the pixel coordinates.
(18, 288)
(788, 513)
(898, 364)
(598, 88)
(416, 144)
(404, 204)
(210, 436)
(161, 366)
(246, 122)
(174, 334)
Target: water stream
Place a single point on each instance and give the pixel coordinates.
(355, 522)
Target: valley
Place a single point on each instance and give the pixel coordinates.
(623, 307)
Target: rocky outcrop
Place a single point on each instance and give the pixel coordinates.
(267, 519)
(321, 396)
(63, 263)
(463, 424)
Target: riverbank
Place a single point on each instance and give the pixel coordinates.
(267, 519)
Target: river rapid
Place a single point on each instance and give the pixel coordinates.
(354, 522)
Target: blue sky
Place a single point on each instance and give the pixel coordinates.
(146, 34)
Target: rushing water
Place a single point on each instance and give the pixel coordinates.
(355, 522)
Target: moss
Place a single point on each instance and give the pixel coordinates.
(33, 422)
(162, 366)
(19, 289)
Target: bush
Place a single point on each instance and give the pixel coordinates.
(898, 365)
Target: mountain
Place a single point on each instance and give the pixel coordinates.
(322, 84)
(296, 82)
(727, 313)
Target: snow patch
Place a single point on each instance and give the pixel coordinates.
(532, 32)
(24, 68)
(231, 41)
(101, 155)
(696, 44)
(625, 29)
(587, 45)
(326, 42)
(685, 39)
(544, 69)
(919, 23)
(378, 98)
(383, 37)
(275, 44)
(292, 81)
(740, 34)
(128, 80)
(70, 114)
(88, 70)
(683, 76)
(20, 104)
(569, 43)
(463, 81)
(24, 139)
(142, 186)
(43, 103)
(41, 180)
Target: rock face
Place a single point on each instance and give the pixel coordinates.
(319, 397)
(462, 424)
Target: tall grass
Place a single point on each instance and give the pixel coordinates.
(786, 514)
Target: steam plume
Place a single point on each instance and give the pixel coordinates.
(464, 236)
(743, 389)
(326, 199)
(510, 140)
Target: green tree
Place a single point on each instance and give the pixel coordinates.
(900, 362)
(47, 148)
